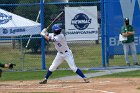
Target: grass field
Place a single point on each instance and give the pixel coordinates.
(38, 75)
(86, 55)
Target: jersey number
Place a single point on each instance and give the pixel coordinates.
(59, 44)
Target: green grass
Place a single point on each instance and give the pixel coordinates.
(84, 55)
(37, 75)
(129, 74)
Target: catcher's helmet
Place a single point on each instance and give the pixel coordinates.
(56, 28)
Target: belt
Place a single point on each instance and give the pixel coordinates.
(64, 52)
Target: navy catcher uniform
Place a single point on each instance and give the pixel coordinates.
(64, 53)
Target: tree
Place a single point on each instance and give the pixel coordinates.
(31, 12)
(9, 8)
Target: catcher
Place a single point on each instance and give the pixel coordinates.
(8, 65)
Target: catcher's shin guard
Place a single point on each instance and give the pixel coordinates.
(0, 72)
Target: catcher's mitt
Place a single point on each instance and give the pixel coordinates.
(11, 65)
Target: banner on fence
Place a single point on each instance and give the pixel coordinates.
(14, 25)
(81, 23)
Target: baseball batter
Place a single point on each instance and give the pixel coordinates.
(64, 53)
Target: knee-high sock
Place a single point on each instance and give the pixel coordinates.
(48, 74)
(80, 73)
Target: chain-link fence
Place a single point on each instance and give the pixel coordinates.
(13, 47)
(87, 53)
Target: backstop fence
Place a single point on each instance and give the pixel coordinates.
(32, 52)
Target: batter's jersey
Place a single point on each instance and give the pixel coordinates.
(59, 42)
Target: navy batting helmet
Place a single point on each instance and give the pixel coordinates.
(56, 28)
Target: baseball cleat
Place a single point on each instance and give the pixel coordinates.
(44, 81)
(86, 80)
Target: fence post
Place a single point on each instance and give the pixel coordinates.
(42, 39)
(106, 33)
(103, 32)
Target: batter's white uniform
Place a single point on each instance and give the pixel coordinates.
(64, 53)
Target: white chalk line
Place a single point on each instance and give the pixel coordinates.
(39, 87)
(103, 91)
(102, 82)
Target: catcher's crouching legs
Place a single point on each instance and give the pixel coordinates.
(0, 72)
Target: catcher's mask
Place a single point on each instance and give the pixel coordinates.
(56, 29)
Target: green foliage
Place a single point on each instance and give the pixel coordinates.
(32, 12)
(9, 8)
(29, 12)
(9, 1)
(29, 1)
(34, 44)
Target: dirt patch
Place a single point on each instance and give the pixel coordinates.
(96, 85)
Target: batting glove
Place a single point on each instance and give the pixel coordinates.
(44, 32)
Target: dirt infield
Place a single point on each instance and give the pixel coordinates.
(96, 85)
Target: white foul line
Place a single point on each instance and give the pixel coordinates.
(100, 91)
(104, 91)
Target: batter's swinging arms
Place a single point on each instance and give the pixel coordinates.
(64, 53)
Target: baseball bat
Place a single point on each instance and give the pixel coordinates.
(54, 20)
(47, 26)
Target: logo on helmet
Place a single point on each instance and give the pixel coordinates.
(4, 18)
(81, 21)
